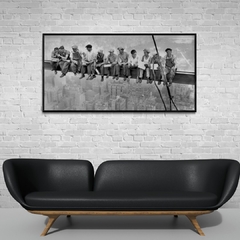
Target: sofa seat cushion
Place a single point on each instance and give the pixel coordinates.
(147, 200)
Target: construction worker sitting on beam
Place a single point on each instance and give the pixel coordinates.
(76, 60)
(170, 67)
(156, 68)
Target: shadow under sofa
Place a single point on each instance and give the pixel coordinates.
(130, 187)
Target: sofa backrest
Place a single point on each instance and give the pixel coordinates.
(171, 175)
(48, 175)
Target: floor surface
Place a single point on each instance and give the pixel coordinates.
(18, 224)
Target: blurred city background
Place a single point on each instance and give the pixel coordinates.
(72, 93)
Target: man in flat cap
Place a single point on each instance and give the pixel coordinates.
(100, 60)
(122, 63)
(64, 61)
(76, 60)
(145, 66)
(157, 68)
(111, 60)
(89, 62)
(170, 66)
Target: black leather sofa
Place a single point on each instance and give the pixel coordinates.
(69, 187)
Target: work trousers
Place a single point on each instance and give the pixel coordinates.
(89, 67)
(131, 69)
(76, 67)
(147, 72)
(100, 68)
(64, 65)
(112, 70)
(124, 69)
(169, 73)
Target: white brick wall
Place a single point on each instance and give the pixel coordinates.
(213, 132)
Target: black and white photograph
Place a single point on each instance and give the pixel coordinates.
(119, 72)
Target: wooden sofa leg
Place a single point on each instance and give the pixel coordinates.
(194, 222)
(51, 220)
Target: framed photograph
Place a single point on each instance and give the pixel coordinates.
(128, 72)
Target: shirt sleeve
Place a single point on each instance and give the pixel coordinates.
(115, 59)
(68, 53)
(129, 60)
(118, 59)
(137, 59)
(149, 60)
(71, 55)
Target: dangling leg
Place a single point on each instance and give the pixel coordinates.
(171, 76)
(102, 72)
(113, 71)
(148, 75)
(65, 67)
(83, 70)
(125, 71)
(140, 75)
(117, 71)
(73, 67)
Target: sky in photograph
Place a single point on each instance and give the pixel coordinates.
(182, 45)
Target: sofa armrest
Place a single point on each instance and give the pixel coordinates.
(23, 176)
(12, 182)
(231, 183)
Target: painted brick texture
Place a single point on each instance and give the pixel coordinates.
(212, 132)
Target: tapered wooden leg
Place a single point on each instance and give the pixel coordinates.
(194, 222)
(51, 220)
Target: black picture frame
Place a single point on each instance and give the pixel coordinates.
(158, 93)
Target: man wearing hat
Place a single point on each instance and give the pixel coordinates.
(170, 66)
(100, 60)
(146, 61)
(111, 60)
(76, 60)
(157, 62)
(122, 63)
(64, 61)
(89, 61)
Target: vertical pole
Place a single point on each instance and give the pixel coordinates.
(155, 76)
(168, 90)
